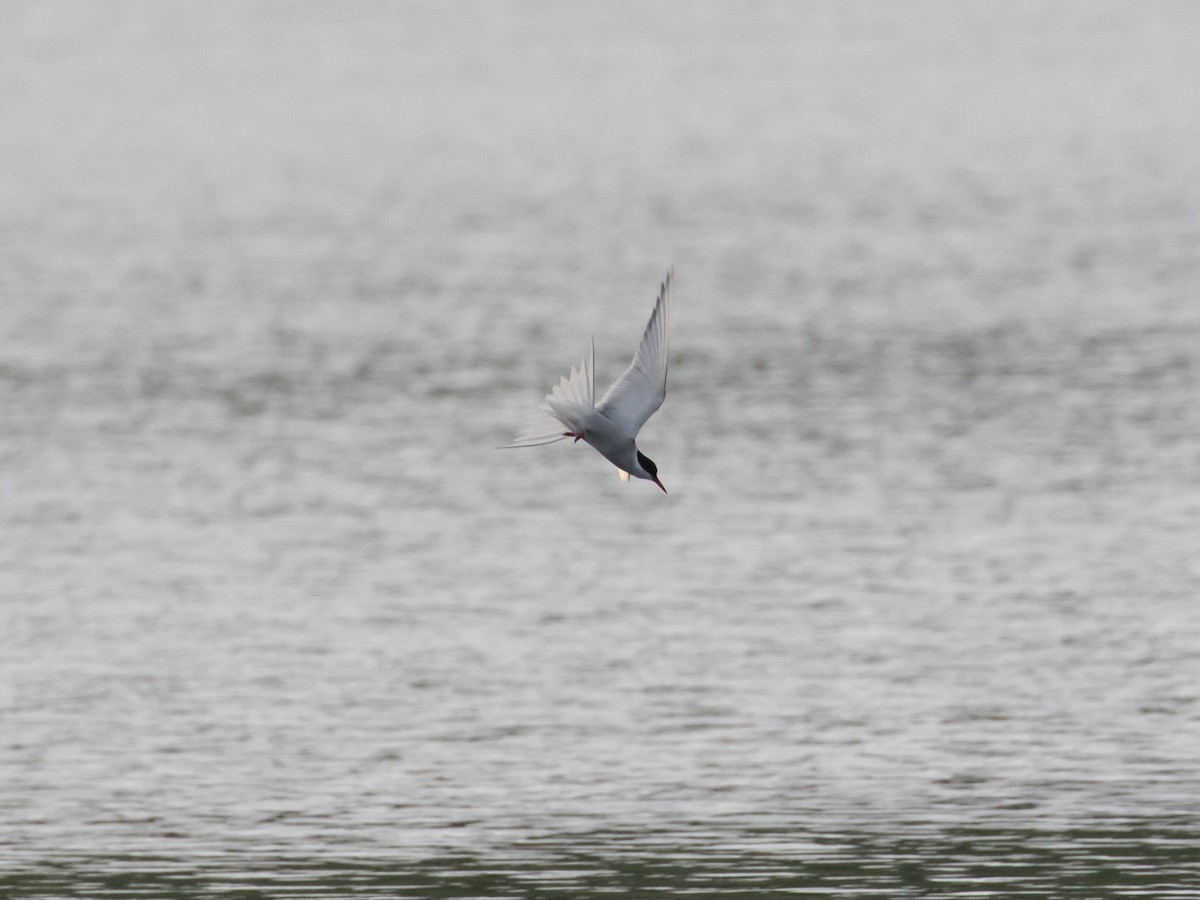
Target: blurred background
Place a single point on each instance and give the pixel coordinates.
(920, 611)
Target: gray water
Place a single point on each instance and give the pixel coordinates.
(919, 614)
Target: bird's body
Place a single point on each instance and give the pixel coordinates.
(610, 441)
(612, 425)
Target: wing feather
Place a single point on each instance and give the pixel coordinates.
(639, 392)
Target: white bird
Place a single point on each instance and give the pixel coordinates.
(612, 425)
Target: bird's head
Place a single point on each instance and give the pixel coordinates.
(651, 469)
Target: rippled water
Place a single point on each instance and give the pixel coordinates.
(919, 614)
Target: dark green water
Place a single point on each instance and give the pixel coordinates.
(1117, 859)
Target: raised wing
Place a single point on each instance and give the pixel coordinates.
(639, 392)
(564, 408)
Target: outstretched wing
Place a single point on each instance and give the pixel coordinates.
(639, 392)
(565, 407)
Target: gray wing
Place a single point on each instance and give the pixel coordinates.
(639, 392)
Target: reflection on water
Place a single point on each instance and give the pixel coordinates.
(919, 615)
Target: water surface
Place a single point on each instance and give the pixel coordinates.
(919, 613)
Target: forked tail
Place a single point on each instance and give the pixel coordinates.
(565, 410)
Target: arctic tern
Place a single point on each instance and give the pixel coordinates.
(612, 425)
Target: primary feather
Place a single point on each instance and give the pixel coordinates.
(639, 392)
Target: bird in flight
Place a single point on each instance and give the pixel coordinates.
(612, 425)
